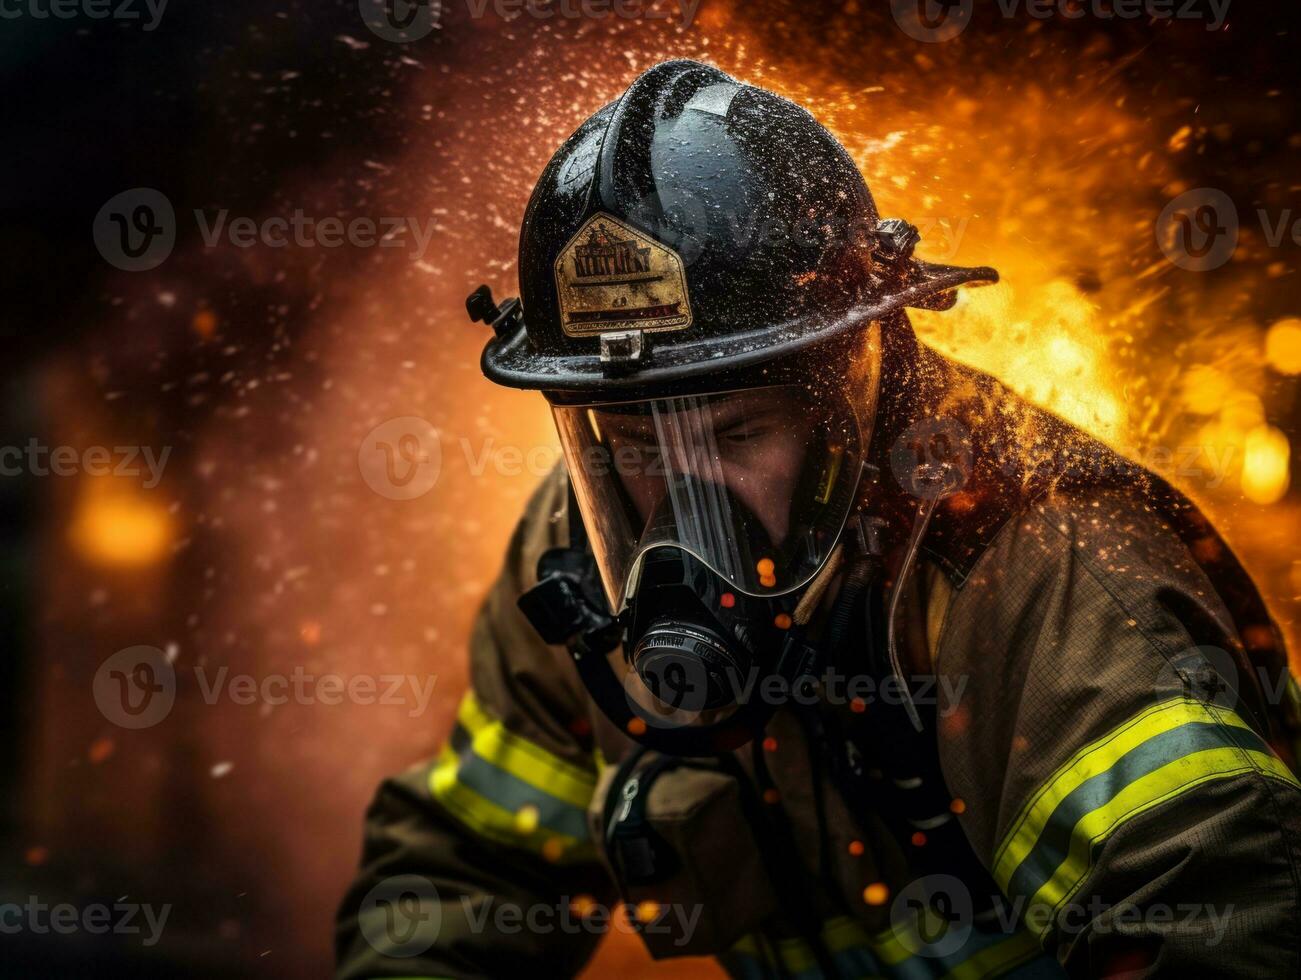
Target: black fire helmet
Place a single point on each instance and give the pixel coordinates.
(691, 233)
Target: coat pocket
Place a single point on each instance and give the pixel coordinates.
(678, 841)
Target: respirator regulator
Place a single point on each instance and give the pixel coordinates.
(695, 643)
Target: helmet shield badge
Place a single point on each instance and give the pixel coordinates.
(611, 277)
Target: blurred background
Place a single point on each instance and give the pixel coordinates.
(266, 541)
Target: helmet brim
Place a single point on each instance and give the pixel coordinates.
(512, 362)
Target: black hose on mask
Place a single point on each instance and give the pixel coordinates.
(842, 617)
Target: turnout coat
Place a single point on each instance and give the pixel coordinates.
(1105, 700)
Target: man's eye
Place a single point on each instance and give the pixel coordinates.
(753, 426)
(741, 433)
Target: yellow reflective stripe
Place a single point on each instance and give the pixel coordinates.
(746, 946)
(525, 761)
(839, 934)
(796, 955)
(891, 950)
(494, 822)
(1157, 787)
(1094, 759)
(889, 947)
(998, 959)
(842, 933)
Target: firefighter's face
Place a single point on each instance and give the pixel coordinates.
(751, 442)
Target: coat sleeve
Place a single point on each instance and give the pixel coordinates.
(1117, 787)
(473, 862)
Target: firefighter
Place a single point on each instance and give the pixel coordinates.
(823, 655)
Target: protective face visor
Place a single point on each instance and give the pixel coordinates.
(754, 484)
